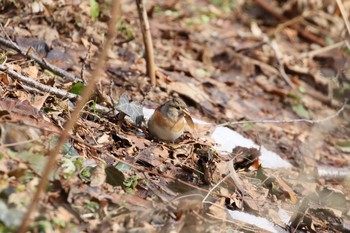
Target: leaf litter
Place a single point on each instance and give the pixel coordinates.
(111, 176)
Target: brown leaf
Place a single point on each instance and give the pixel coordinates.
(189, 120)
(31, 71)
(193, 92)
(98, 175)
(39, 101)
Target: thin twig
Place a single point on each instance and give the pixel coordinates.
(344, 15)
(88, 90)
(289, 120)
(83, 67)
(279, 60)
(213, 188)
(147, 40)
(315, 52)
(111, 97)
(291, 22)
(41, 62)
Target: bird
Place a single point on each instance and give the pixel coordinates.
(167, 123)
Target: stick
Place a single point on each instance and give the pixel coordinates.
(44, 64)
(147, 40)
(289, 120)
(315, 52)
(280, 63)
(344, 15)
(37, 85)
(49, 167)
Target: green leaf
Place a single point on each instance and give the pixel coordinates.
(131, 182)
(77, 88)
(295, 97)
(94, 9)
(248, 126)
(301, 111)
(92, 206)
(68, 167)
(85, 174)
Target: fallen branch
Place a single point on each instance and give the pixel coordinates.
(37, 85)
(315, 52)
(88, 90)
(147, 40)
(44, 64)
(289, 120)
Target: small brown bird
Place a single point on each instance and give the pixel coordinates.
(167, 122)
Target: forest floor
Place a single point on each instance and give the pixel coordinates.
(232, 62)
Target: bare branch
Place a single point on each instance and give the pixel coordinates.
(344, 15)
(279, 60)
(88, 90)
(37, 85)
(41, 62)
(147, 40)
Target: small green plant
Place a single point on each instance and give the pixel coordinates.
(125, 30)
(59, 222)
(94, 9)
(77, 88)
(28, 176)
(248, 126)
(130, 184)
(85, 174)
(92, 206)
(224, 5)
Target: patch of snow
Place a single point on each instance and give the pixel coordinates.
(229, 139)
(284, 216)
(260, 222)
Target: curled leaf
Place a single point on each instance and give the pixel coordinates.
(188, 119)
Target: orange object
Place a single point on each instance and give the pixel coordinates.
(168, 120)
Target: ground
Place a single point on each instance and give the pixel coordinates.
(255, 66)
